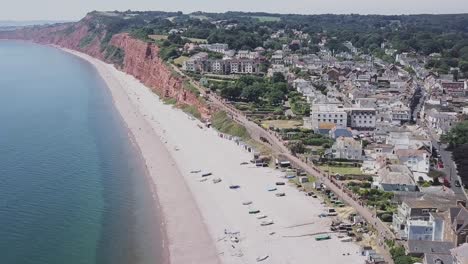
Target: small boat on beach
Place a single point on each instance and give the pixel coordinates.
(203, 179)
(217, 180)
(266, 223)
(247, 203)
(322, 237)
(290, 177)
(207, 174)
(272, 189)
(195, 171)
(262, 258)
(280, 194)
(261, 216)
(280, 183)
(254, 211)
(233, 187)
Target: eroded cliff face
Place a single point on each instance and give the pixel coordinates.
(140, 59)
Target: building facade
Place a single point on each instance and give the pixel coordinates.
(328, 114)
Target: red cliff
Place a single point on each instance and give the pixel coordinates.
(140, 59)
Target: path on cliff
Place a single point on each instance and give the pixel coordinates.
(279, 149)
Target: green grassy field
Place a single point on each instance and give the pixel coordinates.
(282, 124)
(197, 40)
(341, 170)
(158, 37)
(180, 60)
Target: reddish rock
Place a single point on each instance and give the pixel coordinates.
(141, 59)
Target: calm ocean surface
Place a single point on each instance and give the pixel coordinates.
(72, 187)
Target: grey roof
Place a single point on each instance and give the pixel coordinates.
(342, 132)
(438, 259)
(429, 247)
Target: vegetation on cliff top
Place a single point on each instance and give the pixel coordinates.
(223, 123)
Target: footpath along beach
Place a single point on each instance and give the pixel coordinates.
(208, 222)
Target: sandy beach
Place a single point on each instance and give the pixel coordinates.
(203, 219)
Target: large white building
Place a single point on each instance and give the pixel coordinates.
(362, 118)
(328, 114)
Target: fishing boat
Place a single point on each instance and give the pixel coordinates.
(346, 239)
(262, 258)
(217, 180)
(266, 223)
(322, 237)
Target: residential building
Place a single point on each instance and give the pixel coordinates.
(419, 248)
(417, 160)
(396, 178)
(431, 229)
(437, 259)
(418, 209)
(216, 47)
(246, 54)
(347, 148)
(456, 225)
(328, 114)
(440, 122)
(362, 118)
(400, 114)
(455, 89)
(460, 254)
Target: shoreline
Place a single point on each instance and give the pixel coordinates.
(141, 137)
(197, 215)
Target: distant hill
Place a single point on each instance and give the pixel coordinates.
(12, 23)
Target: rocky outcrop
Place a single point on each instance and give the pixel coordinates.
(140, 59)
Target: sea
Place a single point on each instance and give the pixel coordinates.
(73, 186)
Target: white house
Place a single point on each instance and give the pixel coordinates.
(347, 148)
(417, 160)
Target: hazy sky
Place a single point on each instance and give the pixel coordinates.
(76, 9)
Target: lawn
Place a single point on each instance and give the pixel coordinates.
(180, 60)
(282, 124)
(158, 37)
(267, 18)
(197, 40)
(341, 170)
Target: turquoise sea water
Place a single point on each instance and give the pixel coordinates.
(73, 189)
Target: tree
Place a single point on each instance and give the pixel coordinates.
(278, 78)
(275, 97)
(297, 148)
(252, 93)
(458, 135)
